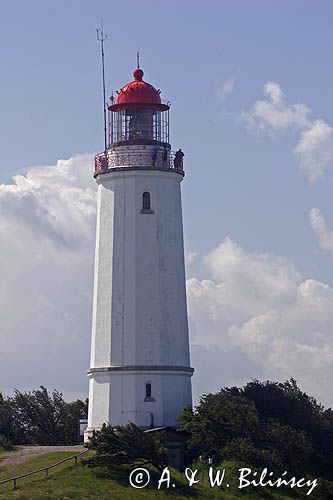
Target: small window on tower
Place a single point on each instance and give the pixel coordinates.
(148, 392)
(146, 204)
(146, 201)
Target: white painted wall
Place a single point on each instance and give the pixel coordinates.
(140, 331)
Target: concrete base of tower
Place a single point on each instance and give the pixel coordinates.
(147, 396)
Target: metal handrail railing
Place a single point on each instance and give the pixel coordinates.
(138, 158)
(44, 469)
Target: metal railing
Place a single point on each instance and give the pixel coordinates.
(138, 158)
(44, 469)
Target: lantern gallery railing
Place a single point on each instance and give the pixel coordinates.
(161, 159)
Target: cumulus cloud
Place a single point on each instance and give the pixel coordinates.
(53, 202)
(320, 227)
(274, 113)
(260, 307)
(47, 221)
(190, 257)
(253, 316)
(314, 148)
(226, 88)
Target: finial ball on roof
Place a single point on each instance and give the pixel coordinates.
(138, 94)
(138, 74)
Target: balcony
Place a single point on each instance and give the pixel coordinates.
(139, 159)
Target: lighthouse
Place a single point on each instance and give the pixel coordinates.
(140, 364)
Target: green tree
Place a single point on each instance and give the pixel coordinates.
(218, 419)
(292, 446)
(126, 445)
(39, 413)
(263, 424)
(284, 402)
(288, 405)
(245, 451)
(6, 417)
(69, 419)
(40, 417)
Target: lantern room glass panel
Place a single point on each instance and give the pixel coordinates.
(138, 124)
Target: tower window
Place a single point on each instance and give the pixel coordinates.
(146, 203)
(148, 392)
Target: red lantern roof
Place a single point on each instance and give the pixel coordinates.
(138, 94)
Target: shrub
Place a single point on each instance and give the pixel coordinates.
(6, 443)
(125, 445)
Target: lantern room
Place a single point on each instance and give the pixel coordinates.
(138, 116)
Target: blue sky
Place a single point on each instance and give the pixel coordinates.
(50, 101)
(239, 183)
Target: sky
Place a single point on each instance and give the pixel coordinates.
(251, 91)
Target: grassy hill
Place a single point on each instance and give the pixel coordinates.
(71, 482)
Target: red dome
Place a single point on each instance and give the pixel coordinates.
(138, 94)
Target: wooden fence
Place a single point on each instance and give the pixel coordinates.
(44, 469)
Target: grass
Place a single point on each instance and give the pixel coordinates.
(75, 482)
(3, 450)
(36, 463)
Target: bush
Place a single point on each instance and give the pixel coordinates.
(6, 443)
(217, 420)
(244, 451)
(126, 445)
(263, 424)
(40, 417)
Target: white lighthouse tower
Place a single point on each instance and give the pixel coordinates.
(140, 364)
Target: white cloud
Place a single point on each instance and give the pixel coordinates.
(190, 257)
(254, 315)
(274, 113)
(323, 232)
(47, 221)
(57, 201)
(260, 306)
(226, 88)
(315, 149)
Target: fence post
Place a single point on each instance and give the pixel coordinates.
(46, 469)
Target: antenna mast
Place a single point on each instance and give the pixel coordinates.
(101, 37)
